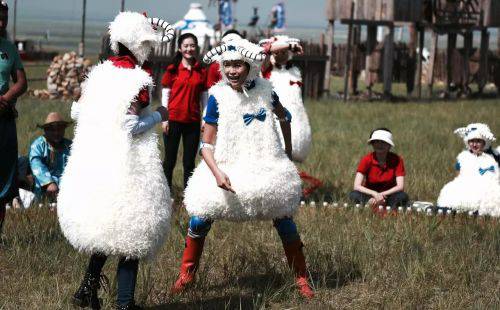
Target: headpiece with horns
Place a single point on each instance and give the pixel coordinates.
(238, 50)
(138, 33)
(476, 131)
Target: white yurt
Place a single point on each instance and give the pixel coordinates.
(195, 21)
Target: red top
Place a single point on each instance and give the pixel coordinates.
(266, 72)
(186, 89)
(381, 178)
(213, 75)
(129, 62)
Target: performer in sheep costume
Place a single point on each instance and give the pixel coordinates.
(246, 174)
(114, 198)
(287, 83)
(476, 187)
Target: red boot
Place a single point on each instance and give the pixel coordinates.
(189, 265)
(297, 262)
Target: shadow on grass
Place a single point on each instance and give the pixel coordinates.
(337, 276)
(229, 302)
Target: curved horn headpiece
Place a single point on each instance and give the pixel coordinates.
(169, 31)
(218, 50)
(251, 55)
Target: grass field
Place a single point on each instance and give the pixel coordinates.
(356, 259)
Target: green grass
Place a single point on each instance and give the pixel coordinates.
(357, 260)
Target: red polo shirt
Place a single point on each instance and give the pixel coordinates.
(381, 178)
(186, 89)
(129, 62)
(213, 75)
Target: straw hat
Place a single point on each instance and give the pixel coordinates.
(54, 118)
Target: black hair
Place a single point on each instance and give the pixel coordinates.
(178, 55)
(3, 6)
(381, 128)
(232, 31)
(123, 50)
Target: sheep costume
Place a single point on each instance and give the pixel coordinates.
(477, 187)
(266, 182)
(113, 196)
(287, 83)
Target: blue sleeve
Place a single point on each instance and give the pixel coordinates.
(36, 157)
(212, 116)
(275, 101)
(457, 166)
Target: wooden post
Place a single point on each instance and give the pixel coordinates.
(122, 6)
(348, 53)
(329, 54)
(432, 62)
(452, 44)
(483, 59)
(421, 38)
(411, 66)
(353, 76)
(81, 48)
(388, 61)
(498, 41)
(371, 43)
(466, 70)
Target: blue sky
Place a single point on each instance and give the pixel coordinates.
(300, 13)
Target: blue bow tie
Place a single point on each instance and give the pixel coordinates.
(483, 171)
(261, 116)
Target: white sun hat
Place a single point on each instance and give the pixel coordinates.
(381, 135)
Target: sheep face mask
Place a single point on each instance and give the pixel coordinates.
(138, 33)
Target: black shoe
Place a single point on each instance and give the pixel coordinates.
(87, 293)
(130, 306)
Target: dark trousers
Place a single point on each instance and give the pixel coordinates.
(2, 216)
(190, 133)
(394, 200)
(126, 275)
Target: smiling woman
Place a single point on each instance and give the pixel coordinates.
(380, 175)
(184, 95)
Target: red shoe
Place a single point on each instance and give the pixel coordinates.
(189, 265)
(297, 262)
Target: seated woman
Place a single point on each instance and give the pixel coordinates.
(48, 156)
(476, 187)
(380, 176)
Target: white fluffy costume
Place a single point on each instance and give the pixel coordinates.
(113, 196)
(477, 185)
(266, 182)
(287, 83)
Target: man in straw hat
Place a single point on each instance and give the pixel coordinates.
(11, 68)
(48, 155)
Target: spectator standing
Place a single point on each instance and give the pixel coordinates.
(11, 68)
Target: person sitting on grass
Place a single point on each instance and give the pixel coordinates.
(48, 156)
(476, 187)
(380, 175)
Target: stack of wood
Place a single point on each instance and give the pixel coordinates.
(64, 77)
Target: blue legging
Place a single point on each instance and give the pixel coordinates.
(287, 230)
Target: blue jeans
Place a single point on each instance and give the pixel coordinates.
(286, 228)
(126, 275)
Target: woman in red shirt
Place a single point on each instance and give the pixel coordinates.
(184, 92)
(380, 175)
